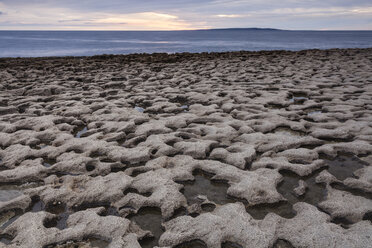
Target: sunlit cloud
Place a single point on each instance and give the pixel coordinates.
(43, 17)
(229, 16)
(145, 20)
(319, 11)
(363, 11)
(66, 19)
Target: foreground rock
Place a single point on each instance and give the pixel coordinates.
(243, 149)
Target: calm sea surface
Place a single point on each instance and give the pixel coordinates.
(78, 43)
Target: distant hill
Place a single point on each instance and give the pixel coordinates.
(241, 29)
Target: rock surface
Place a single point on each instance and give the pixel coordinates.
(250, 149)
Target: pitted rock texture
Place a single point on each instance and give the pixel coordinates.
(130, 151)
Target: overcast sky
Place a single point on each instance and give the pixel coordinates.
(185, 14)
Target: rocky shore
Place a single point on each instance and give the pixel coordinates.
(240, 149)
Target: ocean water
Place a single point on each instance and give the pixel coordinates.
(84, 43)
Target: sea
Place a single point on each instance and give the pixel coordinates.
(87, 43)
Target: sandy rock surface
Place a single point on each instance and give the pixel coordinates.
(243, 149)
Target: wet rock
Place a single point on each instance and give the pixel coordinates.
(195, 149)
(344, 204)
(80, 225)
(149, 219)
(301, 188)
(103, 138)
(76, 190)
(282, 163)
(363, 180)
(201, 186)
(200, 228)
(326, 177)
(238, 155)
(276, 142)
(305, 229)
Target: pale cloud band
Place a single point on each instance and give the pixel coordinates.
(63, 18)
(190, 14)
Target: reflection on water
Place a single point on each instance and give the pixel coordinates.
(9, 192)
(215, 191)
(150, 219)
(343, 166)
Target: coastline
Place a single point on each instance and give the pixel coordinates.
(260, 149)
(178, 57)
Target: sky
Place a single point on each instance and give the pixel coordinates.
(185, 14)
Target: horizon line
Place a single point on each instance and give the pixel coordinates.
(172, 30)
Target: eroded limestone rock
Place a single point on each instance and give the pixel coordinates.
(126, 133)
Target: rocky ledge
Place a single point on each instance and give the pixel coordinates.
(241, 149)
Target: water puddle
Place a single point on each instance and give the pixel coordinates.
(368, 216)
(192, 244)
(185, 108)
(136, 169)
(2, 167)
(134, 191)
(37, 205)
(229, 244)
(22, 108)
(273, 106)
(271, 88)
(98, 243)
(195, 191)
(133, 142)
(283, 209)
(149, 218)
(208, 207)
(354, 191)
(5, 217)
(76, 150)
(91, 242)
(343, 222)
(344, 165)
(48, 162)
(86, 205)
(298, 99)
(8, 217)
(281, 243)
(63, 173)
(62, 213)
(5, 239)
(110, 211)
(180, 100)
(39, 146)
(106, 160)
(9, 192)
(314, 113)
(288, 131)
(314, 193)
(215, 191)
(80, 131)
(139, 109)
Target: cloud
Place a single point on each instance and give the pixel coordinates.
(319, 11)
(144, 21)
(228, 16)
(186, 14)
(64, 18)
